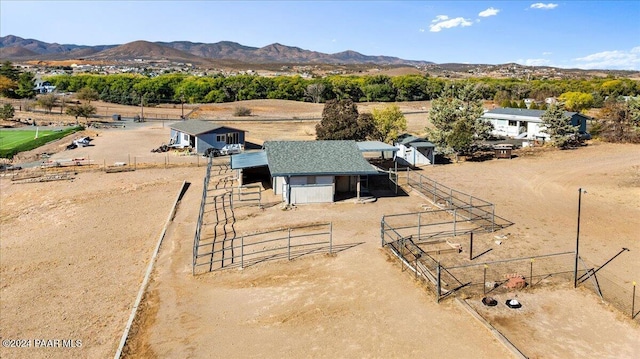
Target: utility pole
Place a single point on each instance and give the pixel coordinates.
(142, 107)
(575, 270)
(182, 105)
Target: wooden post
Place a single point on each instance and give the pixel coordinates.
(289, 244)
(471, 246)
(484, 280)
(633, 301)
(330, 237)
(531, 273)
(438, 283)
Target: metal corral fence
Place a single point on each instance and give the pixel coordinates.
(611, 289)
(478, 279)
(252, 248)
(466, 205)
(428, 225)
(216, 242)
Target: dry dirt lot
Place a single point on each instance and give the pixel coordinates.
(73, 254)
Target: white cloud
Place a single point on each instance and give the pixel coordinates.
(489, 12)
(421, 30)
(543, 6)
(616, 59)
(533, 62)
(547, 53)
(443, 22)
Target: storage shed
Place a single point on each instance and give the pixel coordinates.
(503, 150)
(414, 151)
(201, 135)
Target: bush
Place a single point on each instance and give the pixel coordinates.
(241, 111)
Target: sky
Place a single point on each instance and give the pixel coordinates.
(566, 34)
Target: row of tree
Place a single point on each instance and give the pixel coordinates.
(132, 89)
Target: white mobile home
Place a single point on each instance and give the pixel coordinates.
(523, 123)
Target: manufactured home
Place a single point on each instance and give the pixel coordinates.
(202, 135)
(526, 124)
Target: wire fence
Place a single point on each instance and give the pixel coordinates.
(481, 279)
(615, 291)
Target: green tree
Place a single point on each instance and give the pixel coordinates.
(455, 117)
(557, 124)
(25, 85)
(47, 101)
(83, 110)
(9, 71)
(389, 122)
(7, 111)
(87, 94)
(576, 101)
(341, 121)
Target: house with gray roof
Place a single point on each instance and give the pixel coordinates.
(310, 171)
(525, 123)
(414, 151)
(202, 135)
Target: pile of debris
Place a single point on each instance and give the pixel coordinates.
(161, 149)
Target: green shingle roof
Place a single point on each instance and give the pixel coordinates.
(301, 158)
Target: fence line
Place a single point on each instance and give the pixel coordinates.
(398, 233)
(216, 243)
(253, 248)
(619, 293)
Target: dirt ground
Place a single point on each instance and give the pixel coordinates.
(73, 254)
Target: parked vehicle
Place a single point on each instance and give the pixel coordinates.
(231, 149)
(212, 152)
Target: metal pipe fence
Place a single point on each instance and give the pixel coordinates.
(465, 205)
(405, 234)
(252, 248)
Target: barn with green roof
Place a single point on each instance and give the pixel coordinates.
(312, 171)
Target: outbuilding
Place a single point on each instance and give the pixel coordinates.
(311, 171)
(414, 151)
(201, 135)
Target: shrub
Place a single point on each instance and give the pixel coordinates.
(241, 111)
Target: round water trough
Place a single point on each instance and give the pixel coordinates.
(513, 303)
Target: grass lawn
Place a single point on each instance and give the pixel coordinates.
(13, 138)
(15, 141)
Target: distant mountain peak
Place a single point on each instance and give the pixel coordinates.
(186, 51)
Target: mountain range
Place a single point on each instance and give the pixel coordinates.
(16, 48)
